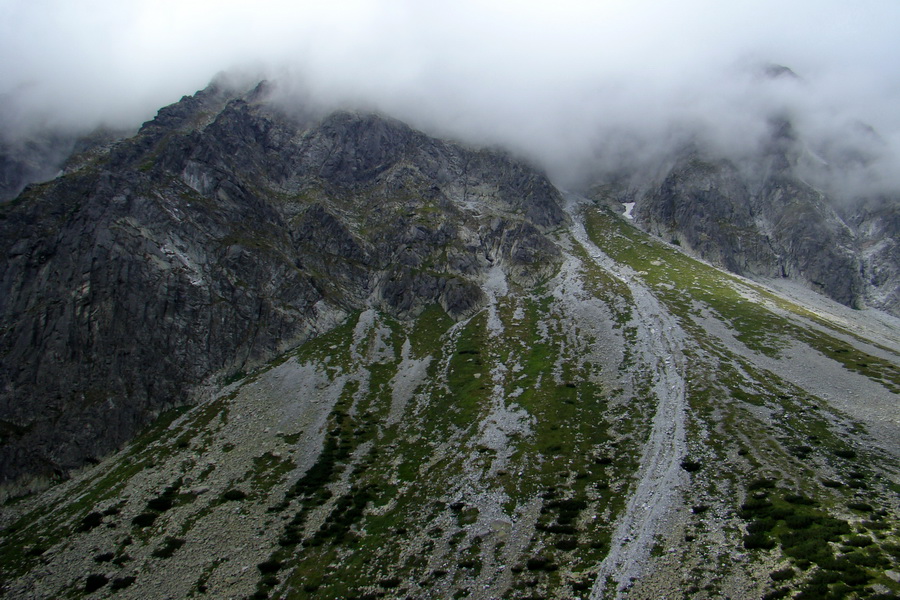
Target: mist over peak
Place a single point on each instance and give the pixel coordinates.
(583, 89)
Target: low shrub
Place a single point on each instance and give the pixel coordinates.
(567, 544)
(799, 499)
(540, 563)
(120, 583)
(782, 574)
(859, 541)
(758, 541)
(160, 503)
(691, 466)
(94, 582)
(170, 545)
(270, 566)
(144, 519)
(761, 484)
(90, 521)
(234, 495)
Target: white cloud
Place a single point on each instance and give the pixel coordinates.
(558, 81)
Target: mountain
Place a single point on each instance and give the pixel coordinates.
(256, 351)
(221, 235)
(783, 211)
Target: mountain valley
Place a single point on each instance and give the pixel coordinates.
(251, 352)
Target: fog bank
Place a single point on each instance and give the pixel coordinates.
(579, 87)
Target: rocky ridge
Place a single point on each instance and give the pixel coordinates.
(226, 231)
(760, 216)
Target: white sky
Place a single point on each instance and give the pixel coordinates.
(555, 80)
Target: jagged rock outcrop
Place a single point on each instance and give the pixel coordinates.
(226, 231)
(762, 218)
(877, 225)
(777, 227)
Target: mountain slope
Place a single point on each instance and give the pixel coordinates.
(389, 366)
(776, 212)
(637, 423)
(226, 232)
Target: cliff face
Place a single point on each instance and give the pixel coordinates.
(224, 232)
(762, 218)
(779, 227)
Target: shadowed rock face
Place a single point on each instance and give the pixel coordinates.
(782, 228)
(225, 232)
(762, 219)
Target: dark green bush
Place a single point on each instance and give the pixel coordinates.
(160, 503)
(691, 466)
(876, 525)
(540, 563)
(799, 500)
(581, 585)
(799, 521)
(94, 582)
(234, 495)
(777, 594)
(761, 484)
(859, 541)
(560, 528)
(121, 560)
(90, 521)
(567, 544)
(868, 560)
(120, 583)
(754, 541)
(269, 566)
(144, 519)
(801, 451)
(782, 574)
(168, 548)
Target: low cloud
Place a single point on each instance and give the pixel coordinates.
(582, 88)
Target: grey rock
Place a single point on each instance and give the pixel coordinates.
(762, 218)
(226, 231)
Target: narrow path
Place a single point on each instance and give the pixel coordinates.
(660, 342)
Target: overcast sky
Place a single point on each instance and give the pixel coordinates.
(558, 81)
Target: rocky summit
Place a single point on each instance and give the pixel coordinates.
(262, 351)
